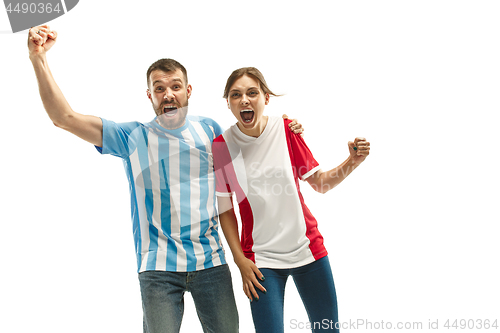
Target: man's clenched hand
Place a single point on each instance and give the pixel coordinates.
(40, 40)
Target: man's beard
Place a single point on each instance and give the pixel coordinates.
(177, 121)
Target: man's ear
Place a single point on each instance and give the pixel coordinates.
(189, 90)
(148, 93)
(227, 101)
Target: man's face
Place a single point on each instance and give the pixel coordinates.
(169, 95)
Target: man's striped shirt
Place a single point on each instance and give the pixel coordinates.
(172, 188)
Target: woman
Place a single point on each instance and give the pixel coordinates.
(261, 163)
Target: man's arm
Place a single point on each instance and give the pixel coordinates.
(323, 181)
(89, 128)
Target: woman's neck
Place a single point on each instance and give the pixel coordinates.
(255, 131)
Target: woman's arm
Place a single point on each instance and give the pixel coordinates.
(323, 181)
(249, 271)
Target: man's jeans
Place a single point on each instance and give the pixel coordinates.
(212, 291)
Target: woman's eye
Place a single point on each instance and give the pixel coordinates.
(235, 95)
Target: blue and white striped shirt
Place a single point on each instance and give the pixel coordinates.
(172, 188)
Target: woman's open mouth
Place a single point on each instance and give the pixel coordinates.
(247, 115)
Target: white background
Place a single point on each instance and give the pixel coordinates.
(412, 233)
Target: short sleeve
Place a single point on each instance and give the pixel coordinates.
(217, 129)
(302, 159)
(117, 138)
(222, 164)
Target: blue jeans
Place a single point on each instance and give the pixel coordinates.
(212, 290)
(317, 291)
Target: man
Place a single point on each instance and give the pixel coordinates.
(170, 170)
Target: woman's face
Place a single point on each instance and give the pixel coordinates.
(247, 102)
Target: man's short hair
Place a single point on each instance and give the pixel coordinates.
(167, 65)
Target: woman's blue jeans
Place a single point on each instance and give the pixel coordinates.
(212, 291)
(317, 291)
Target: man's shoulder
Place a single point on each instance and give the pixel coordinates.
(203, 120)
(208, 123)
(127, 126)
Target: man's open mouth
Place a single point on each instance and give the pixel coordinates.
(247, 115)
(169, 110)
